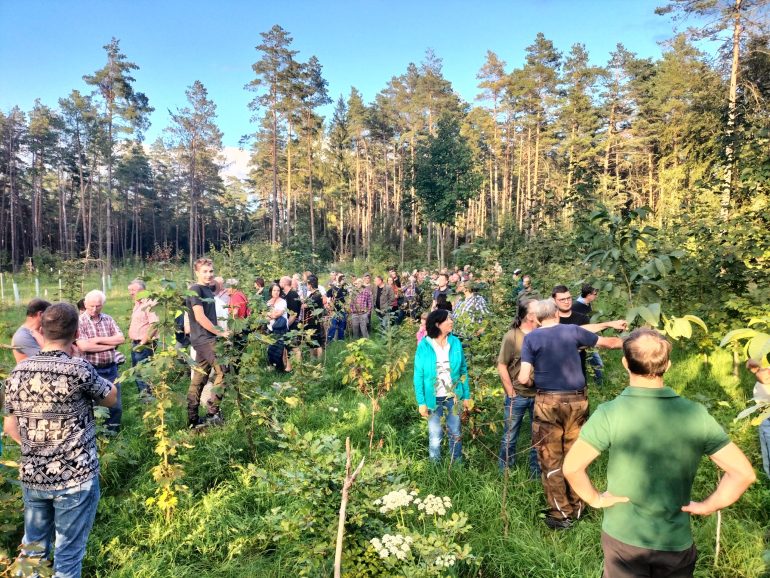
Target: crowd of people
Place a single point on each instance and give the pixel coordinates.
(67, 361)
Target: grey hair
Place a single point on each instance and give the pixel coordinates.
(139, 283)
(545, 309)
(96, 293)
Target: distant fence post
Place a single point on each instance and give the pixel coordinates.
(2, 287)
(60, 288)
(16, 298)
(109, 281)
(37, 287)
(104, 284)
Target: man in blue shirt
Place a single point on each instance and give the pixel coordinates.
(561, 405)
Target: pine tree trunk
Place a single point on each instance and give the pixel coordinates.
(730, 169)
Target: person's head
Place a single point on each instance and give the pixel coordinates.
(94, 301)
(218, 285)
(305, 275)
(204, 271)
(82, 305)
(378, 280)
(367, 278)
(516, 274)
(753, 365)
(526, 310)
(231, 286)
(285, 283)
(646, 353)
(35, 309)
(340, 278)
(588, 292)
(312, 281)
(454, 278)
(438, 323)
(545, 309)
(442, 302)
(136, 286)
(259, 283)
(295, 284)
(442, 280)
(526, 281)
(275, 292)
(60, 324)
(563, 298)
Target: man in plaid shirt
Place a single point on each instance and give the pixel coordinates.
(98, 336)
(361, 308)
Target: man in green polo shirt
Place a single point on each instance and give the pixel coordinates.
(656, 440)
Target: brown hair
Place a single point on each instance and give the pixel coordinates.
(203, 261)
(647, 353)
(60, 322)
(37, 306)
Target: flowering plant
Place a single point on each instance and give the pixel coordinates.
(426, 540)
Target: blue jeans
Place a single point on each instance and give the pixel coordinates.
(515, 408)
(337, 325)
(136, 358)
(436, 432)
(594, 360)
(64, 517)
(110, 373)
(764, 445)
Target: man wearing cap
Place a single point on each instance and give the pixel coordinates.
(239, 304)
(518, 283)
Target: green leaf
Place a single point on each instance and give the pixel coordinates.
(738, 335)
(697, 320)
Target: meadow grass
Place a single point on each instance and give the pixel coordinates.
(221, 528)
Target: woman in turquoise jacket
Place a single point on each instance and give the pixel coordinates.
(440, 378)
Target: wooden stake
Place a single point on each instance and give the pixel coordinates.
(349, 479)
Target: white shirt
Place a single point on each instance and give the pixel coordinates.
(443, 373)
(761, 392)
(279, 305)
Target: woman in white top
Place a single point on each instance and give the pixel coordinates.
(277, 309)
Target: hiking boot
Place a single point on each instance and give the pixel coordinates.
(193, 423)
(558, 523)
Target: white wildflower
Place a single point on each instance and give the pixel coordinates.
(445, 560)
(432, 505)
(394, 545)
(394, 501)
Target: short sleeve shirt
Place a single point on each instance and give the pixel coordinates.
(205, 298)
(101, 326)
(656, 440)
(510, 355)
(25, 341)
(553, 351)
(52, 394)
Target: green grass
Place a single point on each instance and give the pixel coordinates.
(221, 527)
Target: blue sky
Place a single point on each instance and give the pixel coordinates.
(46, 46)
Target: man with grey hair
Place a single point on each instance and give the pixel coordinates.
(561, 405)
(141, 331)
(97, 339)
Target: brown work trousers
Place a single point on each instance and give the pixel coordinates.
(557, 421)
(206, 360)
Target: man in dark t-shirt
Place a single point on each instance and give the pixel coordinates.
(312, 315)
(568, 315)
(203, 335)
(561, 405)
